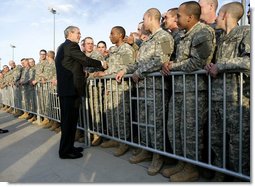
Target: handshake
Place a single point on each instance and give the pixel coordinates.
(104, 64)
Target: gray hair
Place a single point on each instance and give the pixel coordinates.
(69, 29)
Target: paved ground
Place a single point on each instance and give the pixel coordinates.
(28, 154)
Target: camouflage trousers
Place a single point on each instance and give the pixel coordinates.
(95, 91)
(232, 134)
(150, 117)
(17, 96)
(181, 124)
(117, 107)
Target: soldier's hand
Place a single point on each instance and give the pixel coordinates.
(214, 70)
(99, 74)
(208, 67)
(166, 68)
(119, 75)
(135, 78)
(105, 64)
(34, 82)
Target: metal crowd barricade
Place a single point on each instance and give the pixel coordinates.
(114, 111)
(108, 124)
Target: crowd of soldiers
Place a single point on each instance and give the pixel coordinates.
(188, 38)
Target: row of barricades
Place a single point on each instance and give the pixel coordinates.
(157, 114)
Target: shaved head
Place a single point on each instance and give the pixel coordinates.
(235, 9)
(154, 13)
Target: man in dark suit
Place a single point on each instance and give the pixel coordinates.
(70, 61)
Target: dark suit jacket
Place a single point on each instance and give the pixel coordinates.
(69, 65)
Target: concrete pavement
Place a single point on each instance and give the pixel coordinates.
(29, 154)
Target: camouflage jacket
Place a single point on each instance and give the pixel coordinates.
(97, 56)
(16, 74)
(233, 53)
(25, 76)
(151, 55)
(49, 71)
(119, 57)
(194, 50)
(39, 69)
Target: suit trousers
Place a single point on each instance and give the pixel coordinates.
(69, 107)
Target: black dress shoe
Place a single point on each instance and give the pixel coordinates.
(3, 131)
(78, 149)
(71, 155)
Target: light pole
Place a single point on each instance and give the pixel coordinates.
(12, 46)
(53, 11)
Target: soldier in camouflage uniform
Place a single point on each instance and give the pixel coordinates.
(233, 53)
(14, 78)
(31, 95)
(194, 50)
(5, 83)
(152, 54)
(94, 87)
(25, 86)
(117, 95)
(39, 68)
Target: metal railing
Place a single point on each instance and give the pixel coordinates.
(157, 115)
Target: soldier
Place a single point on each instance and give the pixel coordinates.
(33, 108)
(4, 85)
(15, 76)
(208, 11)
(152, 54)
(117, 95)
(93, 91)
(39, 68)
(194, 50)
(25, 87)
(102, 48)
(233, 53)
(48, 74)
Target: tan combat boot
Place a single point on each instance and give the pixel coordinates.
(77, 134)
(136, 151)
(188, 174)
(18, 113)
(24, 116)
(4, 108)
(9, 110)
(142, 156)
(81, 139)
(32, 119)
(54, 126)
(121, 150)
(110, 143)
(156, 164)
(57, 130)
(96, 140)
(49, 124)
(44, 122)
(173, 170)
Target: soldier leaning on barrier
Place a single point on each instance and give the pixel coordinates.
(94, 88)
(152, 54)
(48, 75)
(25, 86)
(39, 68)
(14, 78)
(194, 50)
(116, 98)
(233, 53)
(45, 76)
(4, 85)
